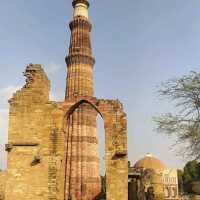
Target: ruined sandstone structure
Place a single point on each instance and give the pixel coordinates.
(53, 146)
(2, 184)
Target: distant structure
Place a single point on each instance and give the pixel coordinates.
(53, 146)
(153, 173)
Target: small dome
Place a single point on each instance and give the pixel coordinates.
(150, 162)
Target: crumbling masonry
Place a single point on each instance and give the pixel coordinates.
(53, 146)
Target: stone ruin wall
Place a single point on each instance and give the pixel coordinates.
(2, 184)
(36, 150)
(29, 140)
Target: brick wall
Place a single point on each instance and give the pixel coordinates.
(2, 184)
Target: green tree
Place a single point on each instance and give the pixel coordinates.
(184, 123)
(103, 184)
(180, 181)
(191, 174)
(129, 164)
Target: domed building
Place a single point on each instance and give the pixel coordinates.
(154, 173)
(150, 162)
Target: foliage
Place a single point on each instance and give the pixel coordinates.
(191, 174)
(189, 178)
(191, 171)
(180, 181)
(129, 164)
(102, 194)
(103, 184)
(185, 122)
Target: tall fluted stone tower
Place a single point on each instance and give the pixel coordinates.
(82, 170)
(80, 60)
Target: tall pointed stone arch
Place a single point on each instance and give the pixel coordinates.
(115, 125)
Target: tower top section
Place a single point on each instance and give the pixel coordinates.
(81, 8)
(80, 60)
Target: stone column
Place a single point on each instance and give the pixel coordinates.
(82, 162)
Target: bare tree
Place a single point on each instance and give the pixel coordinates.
(184, 123)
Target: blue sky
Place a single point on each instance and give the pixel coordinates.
(137, 45)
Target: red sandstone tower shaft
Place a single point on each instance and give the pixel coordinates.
(82, 162)
(80, 60)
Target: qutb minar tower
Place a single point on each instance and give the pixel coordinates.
(82, 162)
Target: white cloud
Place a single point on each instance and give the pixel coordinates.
(5, 94)
(57, 96)
(3, 136)
(52, 68)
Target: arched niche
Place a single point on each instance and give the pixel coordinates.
(115, 126)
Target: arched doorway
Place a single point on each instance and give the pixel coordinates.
(116, 160)
(82, 165)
